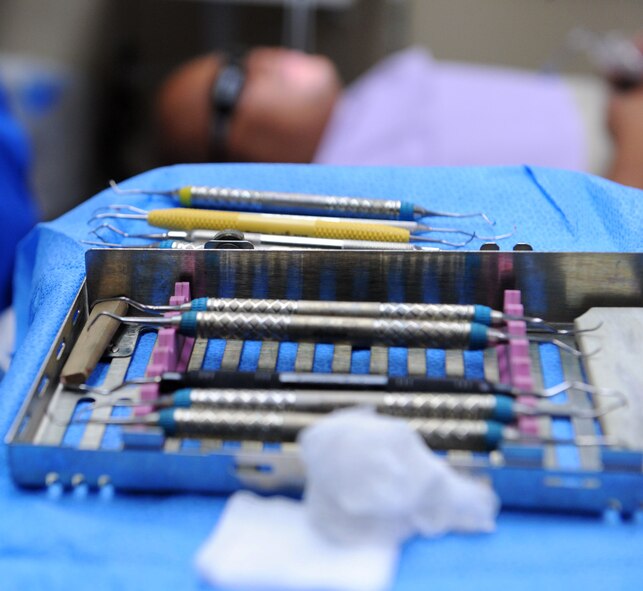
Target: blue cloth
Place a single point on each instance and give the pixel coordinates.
(135, 542)
(17, 212)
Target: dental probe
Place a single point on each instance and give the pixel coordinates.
(172, 381)
(417, 311)
(439, 434)
(503, 409)
(413, 227)
(192, 219)
(356, 331)
(270, 240)
(297, 203)
(162, 245)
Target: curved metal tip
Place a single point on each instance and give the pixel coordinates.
(586, 330)
(445, 242)
(423, 228)
(112, 228)
(497, 237)
(555, 390)
(121, 207)
(102, 244)
(93, 390)
(590, 413)
(121, 402)
(109, 227)
(542, 323)
(568, 348)
(137, 305)
(97, 390)
(109, 315)
(149, 322)
(487, 219)
(114, 186)
(556, 342)
(450, 214)
(113, 212)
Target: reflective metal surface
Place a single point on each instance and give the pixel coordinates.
(556, 286)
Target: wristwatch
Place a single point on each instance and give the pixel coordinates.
(226, 91)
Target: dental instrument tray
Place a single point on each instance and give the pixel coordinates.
(550, 413)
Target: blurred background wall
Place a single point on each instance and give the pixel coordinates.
(521, 33)
(83, 72)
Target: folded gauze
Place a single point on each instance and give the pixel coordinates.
(370, 483)
(372, 477)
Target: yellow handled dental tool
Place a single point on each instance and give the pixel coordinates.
(192, 219)
(297, 203)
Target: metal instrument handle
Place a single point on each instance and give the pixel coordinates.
(279, 202)
(441, 312)
(236, 425)
(446, 406)
(334, 329)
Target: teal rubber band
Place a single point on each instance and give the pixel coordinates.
(181, 398)
(188, 324)
(493, 437)
(478, 336)
(482, 315)
(199, 305)
(166, 421)
(504, 411)
(407, 211)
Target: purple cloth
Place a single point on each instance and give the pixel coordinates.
(412, 110)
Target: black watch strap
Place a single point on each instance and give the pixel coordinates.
(226, 91)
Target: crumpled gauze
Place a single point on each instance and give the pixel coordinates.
(269, 543)
(371, 482)
(372, 477)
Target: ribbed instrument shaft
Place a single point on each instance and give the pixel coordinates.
(270, 201)
(446, 406)
(439, 312)
(236, 425)
(332, 329)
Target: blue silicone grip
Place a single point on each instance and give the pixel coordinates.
(165, 244)
(493, 438)
(407, 211)
(199, 305)
(482, 315)
(504, 411)
(478, 336)
(188, 324)
(166, 421)
(181, 398)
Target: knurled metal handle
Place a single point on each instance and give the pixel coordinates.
(278, 202)
(256, 306)
(447, 406)
(438, 312)
(206, 219)
(334, 329)
(452, 435)
(237, 425)
(442, 312)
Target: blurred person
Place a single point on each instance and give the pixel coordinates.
(280, 105)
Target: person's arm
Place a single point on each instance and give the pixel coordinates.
(626, 122)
